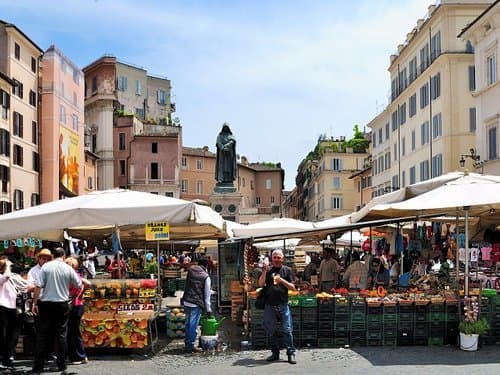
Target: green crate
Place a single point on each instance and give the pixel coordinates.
(452, 317)
(341, 341)
(308, 301)
(390, 317)
(370, 318)
(436, 341)
(437, 317)
(406, 317)
(358, 317)
(294, 301)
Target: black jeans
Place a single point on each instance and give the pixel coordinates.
(76, 349)
(8, 332)
(53, 322)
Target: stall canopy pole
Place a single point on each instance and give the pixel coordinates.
(457, 259)
(466, 273)
(158, 284)
(401, 257)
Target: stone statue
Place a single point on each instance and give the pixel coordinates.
(225, 167)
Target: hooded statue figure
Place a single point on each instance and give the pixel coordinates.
(225, 167)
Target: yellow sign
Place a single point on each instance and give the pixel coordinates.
(157, 231)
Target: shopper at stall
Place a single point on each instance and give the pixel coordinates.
(196, 300)
(329, 271)
(277, 321)
(379, 275)
(357, 273)
(8, 311)
(76, 349)
(53, 308)
(117, 268)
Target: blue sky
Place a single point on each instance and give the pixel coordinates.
(281, 73)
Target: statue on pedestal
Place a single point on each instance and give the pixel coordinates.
(225, 167)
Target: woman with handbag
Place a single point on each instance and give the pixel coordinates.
(76, 349)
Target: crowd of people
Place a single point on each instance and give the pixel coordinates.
(53, 292)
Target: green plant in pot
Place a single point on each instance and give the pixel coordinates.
(471, 324)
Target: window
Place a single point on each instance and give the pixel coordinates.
(74, 118)
(257, 201)
(424, 96)
(17, 51)
(413, 69)
(184, 186)
(437, 165)
(138, 87)
(184, 163)
(424, 170)
(18, 125)
(35, 199)
(402, 114)
(336, 164)
(394, 182)
(36, 161)
(336, 182)
(387, 130)
(155, 175)
(17, 89)
(75, 99)
(394, 120)
(492, 143)
(4, 142)
(472, 120)
(395, 152)
(437, 126)
(424, 57)
(413, 140)
(4, 177)
(472, 78)
(161, 97)
(413, 178)
(90, 183)
(169, 194)
(62, 114)
(94, 84)
(154, 147)
(435, 46)
(491, 70)
(374, 139)
(32, 98)
(424, 133)
(121, 141)
(412, 105)
(33, 64)
(121, 83)
(436, 86)
(18, 200)
(5, 207)
(387, 160)
(4, 104)
(140, 113)
(199, 187)
(403, 81)
(199, 164)
(403, 178)
(380, 134)
(403, 146)
(337, 202)
(122, 167)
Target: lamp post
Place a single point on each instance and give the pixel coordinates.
(475, 157)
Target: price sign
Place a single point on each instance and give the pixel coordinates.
(132, 307)
(159, 231)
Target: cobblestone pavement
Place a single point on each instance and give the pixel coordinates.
(362, 360)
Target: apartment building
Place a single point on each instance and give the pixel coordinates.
(484, 35)
(62, 127)
(362, 185)
(197, 173)
(431, 118)
(19, 124)
(114, 89)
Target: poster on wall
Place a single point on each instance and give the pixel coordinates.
(69, 162)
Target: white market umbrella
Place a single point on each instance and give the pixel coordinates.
(99, 212)
(272, 227)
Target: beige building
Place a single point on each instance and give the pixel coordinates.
(484, 35)
(431, 119)
(114, 89)
(20, 134)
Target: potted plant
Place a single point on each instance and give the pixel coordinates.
(471, 326)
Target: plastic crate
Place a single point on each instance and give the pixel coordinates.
(406, 317)
(309, 316)
(390, 318)
(437, 317)
(389, 342)
(421, 318)
(357, 317)
(308, 301)
(308, 325)
(422, 341)
(405, 325)
(372, 318)
(421, 330)
(325, 325)
(374, 334)
(452, 317)
(389, 333)
(389, 310)
(325, 342)
(436, 307)
(436, 341)
(294, 301)
(357, 326)
(340, 324)
(341, 309)
(340, 342)
(406, 309)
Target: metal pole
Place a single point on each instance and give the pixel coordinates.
(457, 259)
(158, 284)
(466, 274)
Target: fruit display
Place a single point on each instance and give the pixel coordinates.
(117, 313)
(176, 321)
(104, 329)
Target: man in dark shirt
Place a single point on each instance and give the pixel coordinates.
(277, 320)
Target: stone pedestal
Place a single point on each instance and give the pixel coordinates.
(226, 201)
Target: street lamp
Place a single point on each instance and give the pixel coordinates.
(472, 155)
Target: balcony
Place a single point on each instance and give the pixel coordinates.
(159, 130)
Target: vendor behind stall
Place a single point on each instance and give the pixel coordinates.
(379, 275)
(357, 273)
(329, 270)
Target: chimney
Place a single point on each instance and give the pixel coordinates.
(205, 148)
